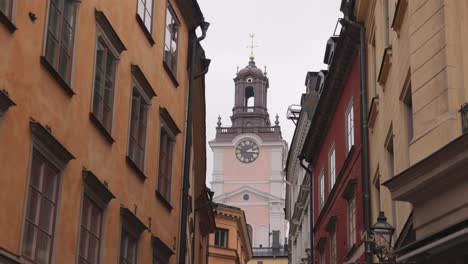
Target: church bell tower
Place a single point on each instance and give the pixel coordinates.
(249, 158)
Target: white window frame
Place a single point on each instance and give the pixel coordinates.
(332, 166)
(322, 189)
(349, 126)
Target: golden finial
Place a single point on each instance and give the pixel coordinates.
(252, 46)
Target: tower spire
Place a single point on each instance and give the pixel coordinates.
(252, 46)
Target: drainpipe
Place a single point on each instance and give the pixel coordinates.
(311, 208)
(193, 40)
(364, 133)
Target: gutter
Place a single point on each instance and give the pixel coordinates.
(311, 206)
(364, 132)
(194, 41)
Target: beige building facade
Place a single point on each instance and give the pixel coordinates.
(416, 86)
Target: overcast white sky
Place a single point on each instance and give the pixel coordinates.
(291, 34)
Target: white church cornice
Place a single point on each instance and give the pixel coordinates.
(267, 196)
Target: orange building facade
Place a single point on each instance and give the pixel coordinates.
(93, 110)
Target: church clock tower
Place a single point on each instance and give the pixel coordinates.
(249, 157)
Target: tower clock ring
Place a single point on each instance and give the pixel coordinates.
(247, 151)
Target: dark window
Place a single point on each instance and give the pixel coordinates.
(138, 123)
(145, 12)
(250, 231)
(6, 7)
(90, 232)
(166, 155)
(103, 99)
(171, 39)
(128, 248)
(161, 252)
(409, 114)
(41, 209)
(221, 237)
(333, 250)
(351, 211)
(60, 36)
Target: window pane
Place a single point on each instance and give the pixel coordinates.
(46, 216)
(50, 180)
(93, 250)
(43, 248)
(64, 65)
(149, 5)
(51, 49)
(67, 37)
(84, 238)
(148, 21)
(36, 170)
(54, 15)
(141, 9)
(33, 206)
(96, 220)
(69, 11)
(29, 240)
(5, 7)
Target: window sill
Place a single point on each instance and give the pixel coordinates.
(135, 167)
(171, 75)
(145, 30)
(101, 128)
(7, 22)
(65, 86)
(163, 200)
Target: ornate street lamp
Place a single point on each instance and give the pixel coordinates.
(381, 236)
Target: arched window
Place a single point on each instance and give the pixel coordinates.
(249, 99)
(250, 230)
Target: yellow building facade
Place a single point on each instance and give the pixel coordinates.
(230, 242)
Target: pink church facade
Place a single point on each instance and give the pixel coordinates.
(249, 159)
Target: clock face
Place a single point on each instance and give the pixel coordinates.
(247, 151)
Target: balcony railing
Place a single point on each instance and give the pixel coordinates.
(270, 252)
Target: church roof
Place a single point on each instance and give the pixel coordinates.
(250, 69)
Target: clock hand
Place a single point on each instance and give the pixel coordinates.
(252, 151)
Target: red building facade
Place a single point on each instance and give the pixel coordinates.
(333, 151)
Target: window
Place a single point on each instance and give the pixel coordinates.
(408, 102)
(333, 251)
(349, 126)
(145, 13)
(322, 256)
(171, 39)
(138, 123)
(6, 7)
(128, 248)
(90, 232)
(142, 92)
(132, 228)
(104, 83)
(221, 237)
(259, 262)
(322, 190)
(166, 155)
(250, 231)
(95, 199)
(332, 166)
(161, 252)
(169, 131)
(351, 225)
(61, 36)
(387, 23)
(108, 48)
(41, 209)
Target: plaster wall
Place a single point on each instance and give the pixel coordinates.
(39, 96)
